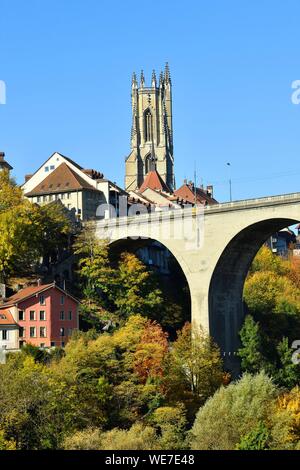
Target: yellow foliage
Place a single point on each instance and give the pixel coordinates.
(290, 402)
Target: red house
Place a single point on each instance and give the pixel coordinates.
(45, 315)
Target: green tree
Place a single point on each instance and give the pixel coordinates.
(135, 291)
(171, 423)
(252, 359)
(138, 437)
(286, 374)
(257, 439)
(233, 412)
(193, 368)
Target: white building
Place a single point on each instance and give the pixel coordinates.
(9, 334)
(80, 190)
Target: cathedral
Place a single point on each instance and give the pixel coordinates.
(151, 132)
(149, 168)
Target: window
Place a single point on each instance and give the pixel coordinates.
(63, 196)
(56, 197)
(42, 332)
(21, 344)
(52, 167)
(42, 345)
(148, 128)
(45, 198)
(62, 300)
(52, 344)
(32, 332)
(5, 335)
(62, 315)
(68, 195)
(149, 163)
(50, 197)
(62, 332)
(21, 315)
(38, 199)
(42, 300)
(62, 344)
(46, 169)
(21, 332)
(70, 315)
(32, 315)
(42, 315)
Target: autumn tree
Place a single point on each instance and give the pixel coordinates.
(27, 231)
(193, 368)
(124, 288)
(150, 352)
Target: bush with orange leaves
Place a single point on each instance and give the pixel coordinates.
(150, 352)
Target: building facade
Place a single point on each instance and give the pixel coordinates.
(80, 190)
(151, 132)
(43, 315)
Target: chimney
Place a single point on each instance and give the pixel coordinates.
(3, 163)
(3, 291)
(210, 190)
(27, 178)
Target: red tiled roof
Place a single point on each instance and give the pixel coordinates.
(6, 318)
(62, 179)
(154, 181)
(186, 192)
(25, 294)
(30, 291)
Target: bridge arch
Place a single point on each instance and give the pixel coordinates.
(177, 271)
(225, 296)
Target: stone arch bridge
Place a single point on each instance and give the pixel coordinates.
(214, 246)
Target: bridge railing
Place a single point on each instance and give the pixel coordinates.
(175, 213)
(255, 202)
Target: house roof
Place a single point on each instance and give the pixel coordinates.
(62, 179)
(187, 192)
(31, 291)
(29, 176)
(6, 318)
(154, 181)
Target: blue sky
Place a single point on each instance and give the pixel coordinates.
(67, 66)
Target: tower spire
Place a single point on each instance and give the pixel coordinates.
(161, 79)
(153, 79)
(142, 82)
(167, 73)
(134, 83)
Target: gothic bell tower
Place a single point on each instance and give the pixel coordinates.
(152, 131)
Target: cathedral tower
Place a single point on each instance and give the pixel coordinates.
(152, 131)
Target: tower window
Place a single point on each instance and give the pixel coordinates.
(147, 164)
(148, 125)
